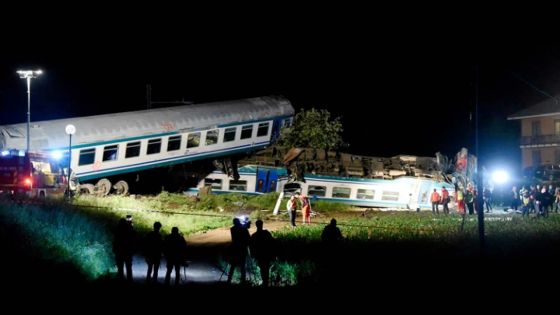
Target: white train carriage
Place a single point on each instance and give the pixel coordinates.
(107, 146)
(406, 192)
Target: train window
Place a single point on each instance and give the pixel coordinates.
(215, 183)
(291, 188)
(247, 132)
(390, 195)
(240, 185)
(263, 129)
(341, 192)
(87, 156)
(174, 143)
(319, 191)
(110, 152)
(193, 140)
(287, 122)
(132, 149)
(229, 134)
(365, 194)
(212, 137)
(154, 146)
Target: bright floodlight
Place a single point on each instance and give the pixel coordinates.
(70, 129)
(57, 155)
(500, 177)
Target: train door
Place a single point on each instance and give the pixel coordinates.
(266, 181)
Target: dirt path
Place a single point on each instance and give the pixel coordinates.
(222, 236)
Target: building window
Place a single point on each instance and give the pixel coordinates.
(536, 155)
(193, 140)
(154, 146)
(240, 185)
(174, 143)
(110, 152)
(319, 191)
(557, 127)
(132, 149)
(341, 192)
(87, 156)
(212, 137)
(229, 134)
(247, 132)
(557, 156)
(215, 183)
(365, 194)
(263, 129)
(390, 196)
(536, 128)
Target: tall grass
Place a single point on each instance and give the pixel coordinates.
(62, 235)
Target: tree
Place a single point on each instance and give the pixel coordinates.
(314, 129)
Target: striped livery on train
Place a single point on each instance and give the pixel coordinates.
(108, 150)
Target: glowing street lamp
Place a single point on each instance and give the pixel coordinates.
(70, 130)
(28, 75)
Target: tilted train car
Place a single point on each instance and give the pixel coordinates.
(404, 192)
(109, 148)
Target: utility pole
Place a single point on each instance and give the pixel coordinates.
(479, 184)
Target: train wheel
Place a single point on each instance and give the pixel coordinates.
(103, 187)
(86, 189)
(121, 187)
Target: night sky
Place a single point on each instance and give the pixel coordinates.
(419, 93)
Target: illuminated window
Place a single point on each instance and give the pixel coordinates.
(240, 185)
(247, 132)
(263, 129)
(229, 134)
(174, 143)
(212, 137)
(132, 149)
(110, 152)
(154, 146)
(319, 191)
(365, 194)
(193, 140)
(341, 192)
(87, 156)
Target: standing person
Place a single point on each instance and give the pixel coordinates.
(240, 239)
(445, 200)
(487, 199)
(331, 234)
(514, 198)
(306, 209)
(175, 249)
(435, 201)
(123, 247)
(292, 207)
(263, 250)
(153, 251)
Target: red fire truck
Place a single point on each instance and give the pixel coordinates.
(31, 174)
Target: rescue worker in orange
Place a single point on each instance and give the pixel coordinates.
(305, 209)
(435, 198)
(445, 200)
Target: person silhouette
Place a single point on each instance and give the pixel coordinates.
(153, 251)
(263, 250)
(175, 248)
(331, 234)
(239, 243)
(123, 247)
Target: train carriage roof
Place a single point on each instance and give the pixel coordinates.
(50, 134)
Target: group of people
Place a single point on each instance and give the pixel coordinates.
(173, 248)
(536, 199)
(292, 206)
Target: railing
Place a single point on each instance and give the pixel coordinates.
(542, 139)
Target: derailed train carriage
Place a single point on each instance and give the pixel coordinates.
(109, 151)
(402, 192)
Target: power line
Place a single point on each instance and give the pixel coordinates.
(517, 76)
